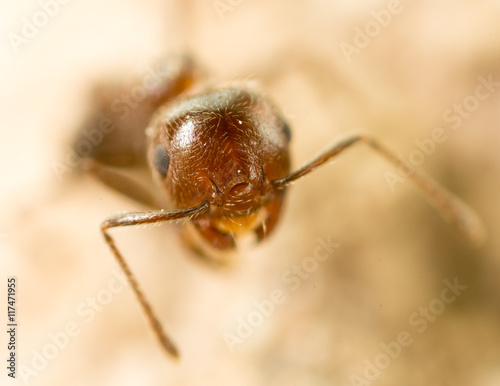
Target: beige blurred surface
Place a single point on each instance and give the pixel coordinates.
(394, 253)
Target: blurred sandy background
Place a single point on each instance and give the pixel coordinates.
(394, 250)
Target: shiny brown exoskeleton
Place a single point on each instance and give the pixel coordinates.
(225, 148)
(219, 157)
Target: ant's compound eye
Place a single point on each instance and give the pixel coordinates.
(161, 160)
(287, 131)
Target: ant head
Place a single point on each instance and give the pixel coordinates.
(224, 147)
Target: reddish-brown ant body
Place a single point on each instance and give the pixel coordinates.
(221, 159)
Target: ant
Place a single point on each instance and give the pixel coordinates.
(220, 157)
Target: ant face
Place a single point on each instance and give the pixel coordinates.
(224, 148)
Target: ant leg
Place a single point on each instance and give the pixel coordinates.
(120, 182)
(127, 219)
(451, 207)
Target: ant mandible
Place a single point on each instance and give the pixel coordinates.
(220, 157)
